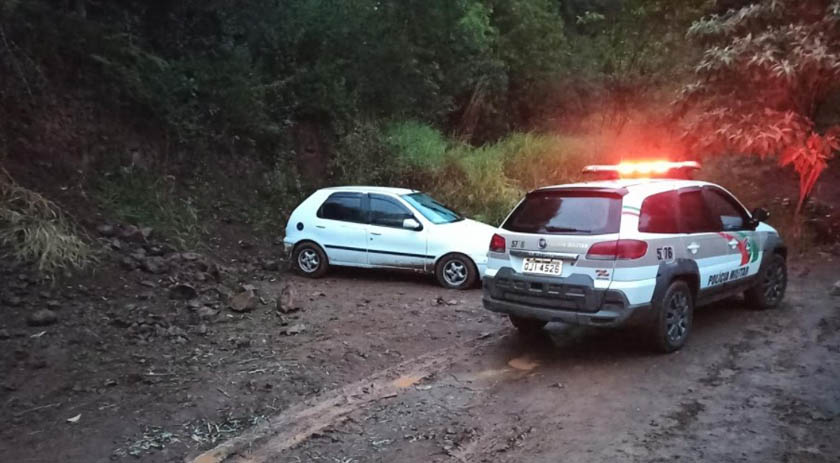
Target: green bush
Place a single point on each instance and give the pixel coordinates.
(363, 157)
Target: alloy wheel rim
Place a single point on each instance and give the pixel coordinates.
(677, 317)
(774, 283)
(308, 260)
(455, 273)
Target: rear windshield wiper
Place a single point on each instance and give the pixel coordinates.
(566, 229)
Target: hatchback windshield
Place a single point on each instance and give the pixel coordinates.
(559, 212)
(434, 211)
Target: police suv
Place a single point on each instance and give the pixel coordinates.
(647, 250)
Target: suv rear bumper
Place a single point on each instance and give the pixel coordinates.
(570, 300)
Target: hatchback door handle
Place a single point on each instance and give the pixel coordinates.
(320, 226)
(376, 234)
(693, 247)
(733, 243)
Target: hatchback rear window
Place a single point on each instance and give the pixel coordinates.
(566, 212)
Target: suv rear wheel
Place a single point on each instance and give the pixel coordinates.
(527, 325)
(674, 317)
(770, 289)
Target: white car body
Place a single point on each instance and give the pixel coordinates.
(368, 245)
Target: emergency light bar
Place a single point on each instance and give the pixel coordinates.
(661, 169)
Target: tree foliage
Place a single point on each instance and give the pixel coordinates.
(767, 69)
(235, 76)
(628, 51)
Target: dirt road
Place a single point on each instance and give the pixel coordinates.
(749, 387)
(395, 369)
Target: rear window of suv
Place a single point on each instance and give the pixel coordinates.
(566, 212)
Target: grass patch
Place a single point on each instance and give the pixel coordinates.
(417, 144)
(484, 182)
(142, 198)
(35, 230)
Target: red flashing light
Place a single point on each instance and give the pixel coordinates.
(497, 243)
(617, 250)
(643, 169)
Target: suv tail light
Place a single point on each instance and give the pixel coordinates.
(497, 243)
(619, 249)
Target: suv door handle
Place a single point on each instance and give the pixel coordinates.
(693, 248)
(733, 243)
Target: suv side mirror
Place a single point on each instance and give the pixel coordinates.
(760, 214)
(412, 224)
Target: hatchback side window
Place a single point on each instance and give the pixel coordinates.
(725, 212)
(659, 213)
(386, 212)
(346, 207)
(694, 215)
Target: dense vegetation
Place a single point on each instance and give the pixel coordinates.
(157, 102)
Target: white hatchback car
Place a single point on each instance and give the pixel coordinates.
(378, 227)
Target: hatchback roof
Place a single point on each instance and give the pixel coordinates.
(372, 189)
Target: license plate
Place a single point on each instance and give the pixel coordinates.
(542, 266)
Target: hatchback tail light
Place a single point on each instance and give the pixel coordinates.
(497, 243)
(619, 249)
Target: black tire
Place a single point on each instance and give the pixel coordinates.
(674, 317)
(309, 260)
(769, 291)
(456, 271)
(527, 325)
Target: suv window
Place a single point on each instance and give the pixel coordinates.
(724, 211)
(659, 213)
(387, 213)
(346, 207)
(566, 212)
(694, 216)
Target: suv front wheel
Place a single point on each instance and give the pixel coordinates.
(770, 288)
(674, 317)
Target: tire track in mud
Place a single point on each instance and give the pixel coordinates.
(301, 421)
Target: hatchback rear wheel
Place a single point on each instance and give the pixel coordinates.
(310, 260)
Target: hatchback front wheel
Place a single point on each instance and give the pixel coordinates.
(456, 271)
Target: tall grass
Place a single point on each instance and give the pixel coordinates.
(483, 182)
(35, 230)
